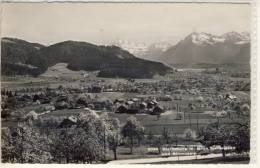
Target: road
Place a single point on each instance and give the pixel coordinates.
(162, 159)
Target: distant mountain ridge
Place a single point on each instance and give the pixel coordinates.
(111, 61)
(14, 53)
(17, 50)
(199, 48)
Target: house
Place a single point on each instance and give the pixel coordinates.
(150, 104)
(134, 99)
(154, 101)
(61, 105)
(31, 115)
(95, 89)
(68, 122)
(121, 100)
(129, 103)
(62, 98)
(231, 97)
(121, 109)
(91, 106)
(143, 105)
(157, 110)
(83, 99)
(101, 103)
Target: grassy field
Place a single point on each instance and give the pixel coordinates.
(151, 122)
(124, 153)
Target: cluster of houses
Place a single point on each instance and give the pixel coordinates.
(74, 98)
(135, 105)
(203, 89)
(193, 84)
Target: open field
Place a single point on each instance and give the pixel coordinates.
(151, 123)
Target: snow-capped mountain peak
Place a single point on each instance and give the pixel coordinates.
(237, 37)
(207, 48)
(163, 46)
(209, 39)
(133, 47)
(205, 38)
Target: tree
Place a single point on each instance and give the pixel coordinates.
(25, 144)
(191, 106)
(114, 136)
(82, 142)
(214, 134)
(158, 142)
(132, 129)
(233, 134)
(75, 145)
(165, 135)
(11, 102)
(150, 137)
(237, 109)
(94, 128)
(189, 134)
(240, 136)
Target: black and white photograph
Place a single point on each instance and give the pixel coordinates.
(126, 83)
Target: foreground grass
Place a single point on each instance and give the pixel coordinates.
(124, 153)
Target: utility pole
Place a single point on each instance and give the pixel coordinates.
(105, 143)
(176, 142)
(190, 120)
(184, 116)
(177, 111)
(197, 122)
(217, 122)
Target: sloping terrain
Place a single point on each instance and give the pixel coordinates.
(14, 54)
(111, 61)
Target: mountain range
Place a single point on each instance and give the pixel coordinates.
(204, 48)
(19, 57)
(229, 49)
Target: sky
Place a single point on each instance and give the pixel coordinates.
(103, 23)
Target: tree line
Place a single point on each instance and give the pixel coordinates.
(88, 137)
(85, 141)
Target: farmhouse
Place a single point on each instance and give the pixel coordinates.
(68, 122)
(121, 109)
(31, 115)
(61, 105)
(95, 89)
(143, 105)
(157, 110)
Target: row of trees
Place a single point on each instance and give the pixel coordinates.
(86, 141)
(90, 136)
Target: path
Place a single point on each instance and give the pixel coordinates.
(163, 159)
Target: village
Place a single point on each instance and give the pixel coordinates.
(173, 109)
